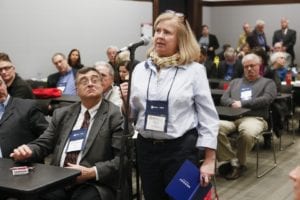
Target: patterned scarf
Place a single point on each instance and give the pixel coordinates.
(164, 61)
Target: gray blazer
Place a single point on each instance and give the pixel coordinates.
(102, 147)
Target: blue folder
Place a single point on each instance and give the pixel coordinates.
(185, 185)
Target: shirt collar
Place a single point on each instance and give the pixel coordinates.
(92, 110)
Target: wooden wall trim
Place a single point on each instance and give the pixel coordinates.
(247, 2)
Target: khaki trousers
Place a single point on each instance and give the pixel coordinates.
(248, 128)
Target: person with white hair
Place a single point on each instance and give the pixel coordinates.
(258, 38)
(110, 91)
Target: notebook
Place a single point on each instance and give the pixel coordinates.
(185, 185)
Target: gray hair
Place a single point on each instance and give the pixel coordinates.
(276, 55)
(260, 22)
(111, 70)
(112, 47)
(251, 57)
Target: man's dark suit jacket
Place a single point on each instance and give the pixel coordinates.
(102, 147)
(288, 40)
(21, 123)
(213, 42)
(252, 40)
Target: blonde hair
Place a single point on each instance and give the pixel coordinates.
(188, 47)
(123, 57)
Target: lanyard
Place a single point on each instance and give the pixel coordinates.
(170, 86)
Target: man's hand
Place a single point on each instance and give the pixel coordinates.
(87, 173)
(21, 153)
(236, 104)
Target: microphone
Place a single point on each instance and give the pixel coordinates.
(144, 41)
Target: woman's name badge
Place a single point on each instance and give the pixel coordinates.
(156, 116)
(76, 140)
(156, 123)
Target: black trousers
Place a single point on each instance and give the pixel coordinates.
(158, 161)
(80, 192)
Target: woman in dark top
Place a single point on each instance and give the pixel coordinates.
(74, 59)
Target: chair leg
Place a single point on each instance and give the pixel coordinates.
(281, 148)
(261, 174)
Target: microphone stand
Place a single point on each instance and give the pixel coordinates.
(126, 152)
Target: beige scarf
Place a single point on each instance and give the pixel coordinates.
(164, 61)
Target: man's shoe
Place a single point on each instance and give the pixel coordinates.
(236, 172)
(225, 169)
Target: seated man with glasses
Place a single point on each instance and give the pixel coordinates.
(85, 136)
(253, 92)
(16, 86)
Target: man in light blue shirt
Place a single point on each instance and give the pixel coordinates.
(64, 79)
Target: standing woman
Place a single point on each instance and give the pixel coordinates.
(74, 59)
(172, 106)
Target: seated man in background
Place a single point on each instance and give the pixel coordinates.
(110, 91)
(16, 86)
(20, 120)
(253, 92)
(231, 67)
(64, 79)
(99, 123)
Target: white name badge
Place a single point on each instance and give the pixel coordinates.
(246, 94)
(75, 145)
(61, 86)
(156, 123)
(76, 140)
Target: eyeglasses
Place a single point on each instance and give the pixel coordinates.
(5, 68)
(251, 66)
(85, 80)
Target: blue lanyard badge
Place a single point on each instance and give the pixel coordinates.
(61, 86)
(156, 116)
(76, 140)
(246, 93)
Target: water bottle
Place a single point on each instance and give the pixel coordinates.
(288, 78)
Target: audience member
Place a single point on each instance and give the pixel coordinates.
(110, 91)
(208, 64)
(276, 71)
(243, 36)
(172, 107)
(244, 49)
(253, 92)
(264, 59)
(221, 54)
(20, 119)
(74, 59)
(111, 53)
(278, 47)
(231, 67)
(295, 176)
(287, 36)
(209, 42)
(124, 71)
(258, 38)
(99, 123)
(16, 86)
(64, 79)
